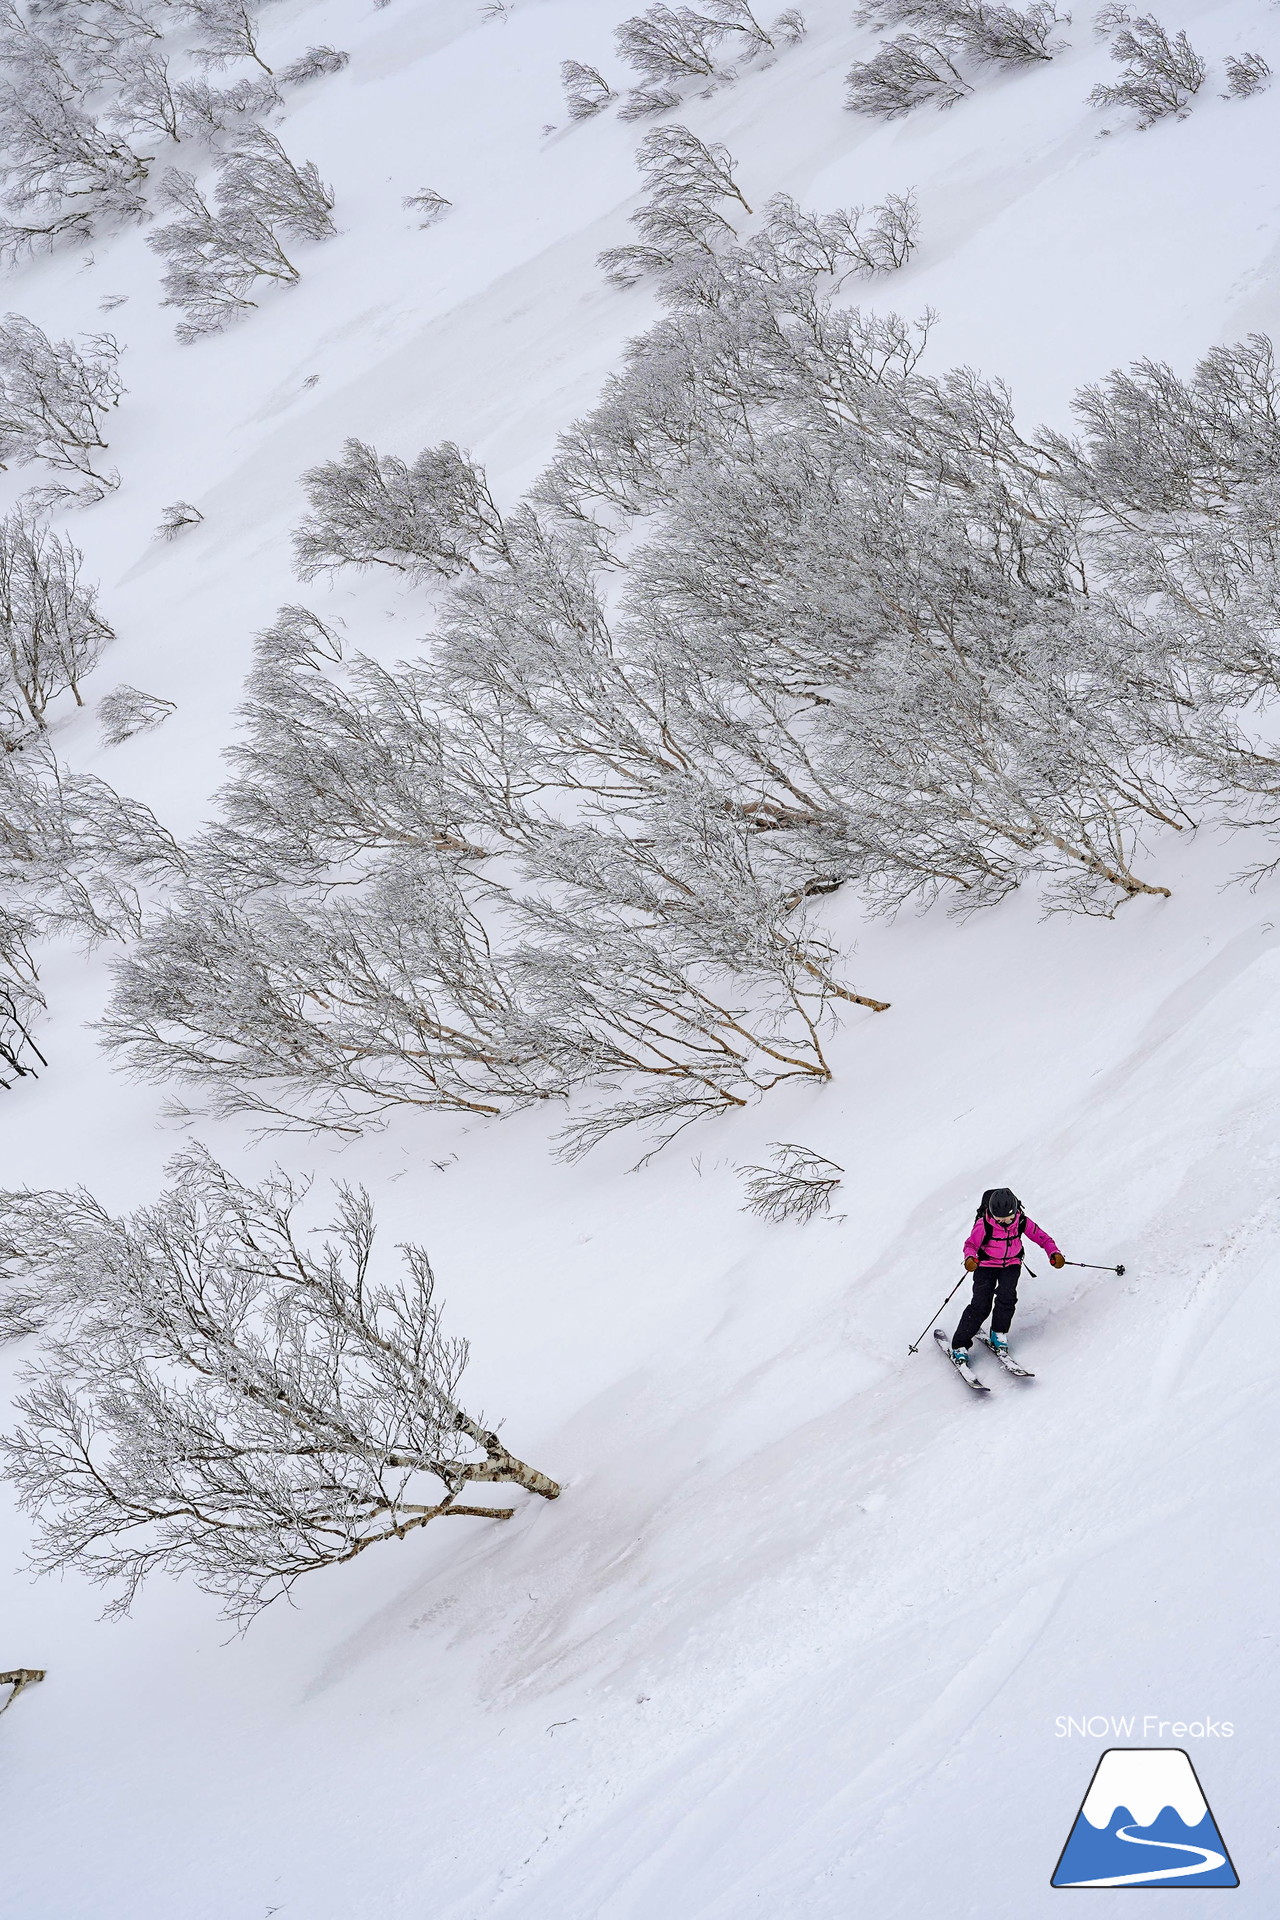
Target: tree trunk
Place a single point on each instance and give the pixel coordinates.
(501, 1464)
(18, 1678)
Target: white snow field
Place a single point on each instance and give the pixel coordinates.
(802, 1634)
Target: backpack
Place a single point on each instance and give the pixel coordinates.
(1019, 1218)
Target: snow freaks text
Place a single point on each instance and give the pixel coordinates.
(1147, 1726)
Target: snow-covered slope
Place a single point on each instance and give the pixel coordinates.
(800, 1637)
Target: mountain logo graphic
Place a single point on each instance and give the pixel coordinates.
(1145, 1823)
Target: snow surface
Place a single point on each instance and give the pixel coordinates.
(797, 1639)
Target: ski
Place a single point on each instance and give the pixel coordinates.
(961, 1367)
(1007, 1361)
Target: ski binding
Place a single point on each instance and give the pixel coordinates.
(961, 1367)
(1009, 1364)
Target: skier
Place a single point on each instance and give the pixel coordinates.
(993, 1255)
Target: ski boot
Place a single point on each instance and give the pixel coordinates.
(999, 1342)
(960, 1355)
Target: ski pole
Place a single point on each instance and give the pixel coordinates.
(950, 1297)
(1092, 1265)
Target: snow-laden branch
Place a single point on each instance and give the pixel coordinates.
(226, 1397)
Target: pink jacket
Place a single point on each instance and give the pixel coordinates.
(1004, 1244)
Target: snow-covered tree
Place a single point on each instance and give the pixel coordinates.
(216, 256)
(585, 91)
(62, 172)
(257, 176)
(1247, 73)
(653, 955)
(787, 613)
(177, 518)
(678, 166)
(426, 988)
(1161, 75)
(920, 64)
(670, 43)
(227, 31)
(223, 1399)
(799, 1185)
(146, 103)
(206, 113)
(641, 103)
(680, 215)
(90, 39)
(429, 206)
(76, 858)
(906, 71)
(55, 397)
(672, 47)
(1175, 477)
(1001, 35)
(435, 517)
(51, 632)
(21, 1001)
(312, 64)
(1007, 36)
(788, 29)
(745, 581)
(850, 241)
(213, 259)
(127, 711)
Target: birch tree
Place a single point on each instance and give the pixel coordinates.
(55, 398)
(435, 517)
(1162, 75)
(51, 633)
(216, 256)
(224, 1398)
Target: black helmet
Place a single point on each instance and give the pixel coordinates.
(1003, 1203)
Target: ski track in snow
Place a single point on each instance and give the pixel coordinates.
(795, 1639)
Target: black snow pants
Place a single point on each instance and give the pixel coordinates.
(990, 1284)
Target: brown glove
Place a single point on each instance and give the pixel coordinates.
(971, 1263)
(1057, 1260)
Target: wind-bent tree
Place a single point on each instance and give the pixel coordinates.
(21, 1001)
(1161, 75)
(586, 91)
(799, 1185)
(51, 633)
(127, 710)
(1247, 73)
(920, 64)
(64, 176)
(216, 256)
(313, 63)
(54, 398)
(227, 30)
(787, 613)
(225, 1398)
(434, 518)
(680, 215)
(74, 860)
(75, 856)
